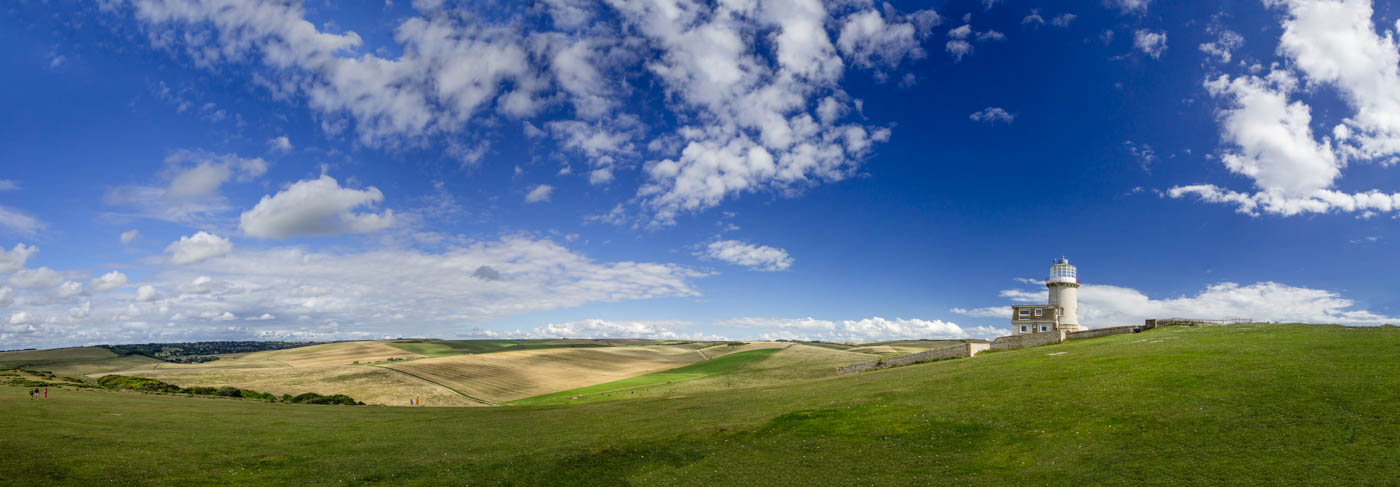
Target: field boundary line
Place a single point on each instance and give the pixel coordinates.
(433, 382)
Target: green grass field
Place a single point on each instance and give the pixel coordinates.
(714, 366)
(1249, 404)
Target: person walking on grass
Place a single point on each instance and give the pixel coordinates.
(46, 393)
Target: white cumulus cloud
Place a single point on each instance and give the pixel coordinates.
(1269, 134)
(147, 293)
(315, 207)
(1131, 6)
(1221, 49)
(596, 328)
(868, 39)
(19, 222)
(739, 80)
(14, 259)
(1150, 43)
(758, 257)
(331, 295)
(191, 191)
(992, 114)
(109, 281)
(863, 330)
(32, 278)
(198, 247)
(280, 144)
(69, 289)
(1106, 305)
(539, 193)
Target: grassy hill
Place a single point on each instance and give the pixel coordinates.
(447, 348)
(1250, 404)
(707, 368)
(500, 377)
(497, 370)
(778, 367)
(74, 361)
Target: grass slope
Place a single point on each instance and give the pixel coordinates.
(1259, 404)
(693, 371)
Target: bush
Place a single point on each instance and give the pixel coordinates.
(136, 383)
(314, 398)
(152, 385)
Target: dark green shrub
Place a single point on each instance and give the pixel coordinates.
(136, 383)
(314, 398)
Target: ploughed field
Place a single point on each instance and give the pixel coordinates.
(1247, 404)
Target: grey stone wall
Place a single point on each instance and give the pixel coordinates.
(1098, 332)
(955, 351)
(1012, 342)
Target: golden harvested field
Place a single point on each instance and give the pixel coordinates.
(797, 362)
(506, 376)
(343, 353)
(373, 385)
(875, 349)
(323, 369)
(74, 361)
(726, 349)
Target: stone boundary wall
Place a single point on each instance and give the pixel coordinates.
(1099, 332)
(1009, 342)
(1012, 342)
(955, 351)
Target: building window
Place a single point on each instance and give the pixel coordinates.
(1038, 311)
(1023, 328)
(1025, 313)
(1044, 328)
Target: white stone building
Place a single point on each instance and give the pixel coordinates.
(1062, 313)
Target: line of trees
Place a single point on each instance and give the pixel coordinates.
(194, 352)
(152, 385)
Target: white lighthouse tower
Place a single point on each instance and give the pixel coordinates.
(1062, 314)
(1064, 292)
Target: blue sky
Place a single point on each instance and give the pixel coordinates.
(842, 170)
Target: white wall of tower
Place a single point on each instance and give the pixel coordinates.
(1067, 297)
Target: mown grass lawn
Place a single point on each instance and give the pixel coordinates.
(1252, 404)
